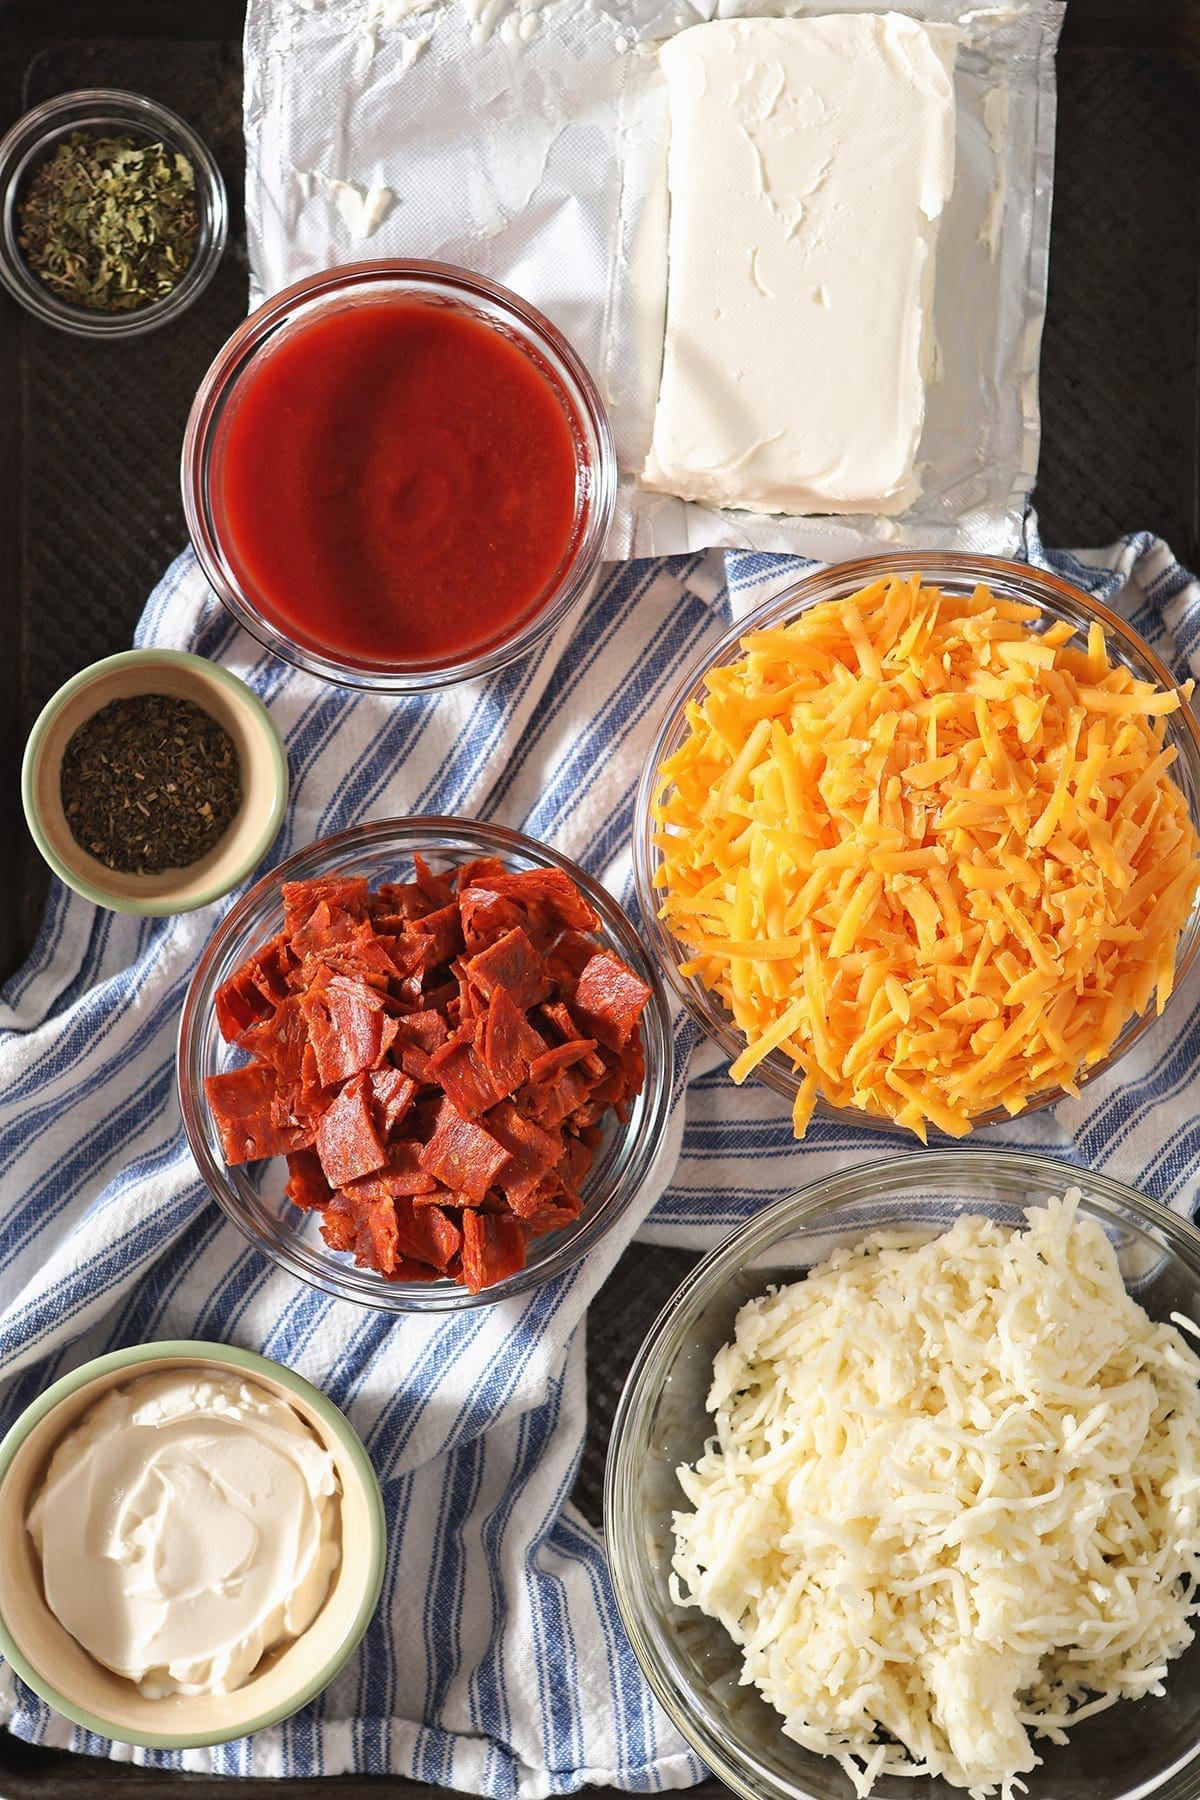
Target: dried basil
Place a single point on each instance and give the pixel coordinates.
(150, 782)
(109, 223)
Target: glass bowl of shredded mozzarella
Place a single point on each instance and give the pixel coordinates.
(903, 1492)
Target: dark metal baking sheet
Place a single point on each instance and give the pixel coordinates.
(90, 512)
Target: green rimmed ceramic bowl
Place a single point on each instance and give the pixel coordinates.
(49, 1660)
(261, 757)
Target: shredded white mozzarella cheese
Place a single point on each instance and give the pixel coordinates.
(953, 1498)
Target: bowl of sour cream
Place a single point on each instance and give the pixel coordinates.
(191, 1544)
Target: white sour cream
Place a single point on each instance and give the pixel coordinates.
(186, 1525)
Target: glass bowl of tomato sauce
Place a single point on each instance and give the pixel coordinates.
(398, 475)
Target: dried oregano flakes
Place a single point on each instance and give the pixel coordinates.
(110, 223)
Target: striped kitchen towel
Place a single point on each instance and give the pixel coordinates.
(496, 1662)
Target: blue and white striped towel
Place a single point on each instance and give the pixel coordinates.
(496, 1662)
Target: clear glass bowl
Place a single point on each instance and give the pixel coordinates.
(955, 574)
(252, 1195)
(1135, 1748)
(106, 110)
(434, 284)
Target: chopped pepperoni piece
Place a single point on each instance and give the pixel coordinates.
(371, 1232)
(409, 956)
(436, 889)
(550, 1208)
(558, 1014)
(563, 1056)
(271, 967)
(568, 957)
(376, 1244)
(622, 1079)
(280, 1040)
(347, 1141)
(393, 1093)
(347, 893)
(459, 1070)
(240, 1003)
(427, 1233)
(493, 1248)
(339, 1222)
(425, 1029)
(508, 1043)
(418, 1035)
(348, 1027)
(548, 1103)
(249, 1119)
(441, 933)
(532, 1153)
(550, 898)
(511, 963)
(486, 915)
(461, 1154)
(609, 1000)
(401, 1174)
(306, 1184)
(576, 1161)
(313, 1097)
(416, 1063)
(360, 951)
(481, 870)
(395, 902)
(443, 999)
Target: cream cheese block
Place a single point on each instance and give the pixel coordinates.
(810, 161)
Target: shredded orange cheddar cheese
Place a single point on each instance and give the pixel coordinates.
(929, 854)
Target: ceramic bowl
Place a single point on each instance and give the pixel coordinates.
(50, 1661)
(228, 701)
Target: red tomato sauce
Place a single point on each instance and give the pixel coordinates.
(395, 483)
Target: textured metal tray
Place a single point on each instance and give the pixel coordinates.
(90, 512)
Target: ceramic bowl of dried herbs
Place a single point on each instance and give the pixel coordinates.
(154, 782)
(113, 214)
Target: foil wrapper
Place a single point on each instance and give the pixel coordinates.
(527, 139)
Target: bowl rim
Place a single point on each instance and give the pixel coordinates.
(161, 905)
(799, 596)
(32, 132)
(331, 287)
(433, 832)
(716, 1266)
(334, 1421)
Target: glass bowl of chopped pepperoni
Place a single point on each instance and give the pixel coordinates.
(424, 1064)
(918, 842)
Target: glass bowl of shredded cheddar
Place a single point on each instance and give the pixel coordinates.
(923, 846)
(903, 1491)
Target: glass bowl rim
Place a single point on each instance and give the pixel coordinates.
(327, 288)
(430, 831)
(31, 134)
(1103, 1196)
(826, 583)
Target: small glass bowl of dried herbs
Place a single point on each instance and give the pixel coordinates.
(154, 782)
(113, 214)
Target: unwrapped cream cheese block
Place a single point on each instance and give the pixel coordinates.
(809, 163)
